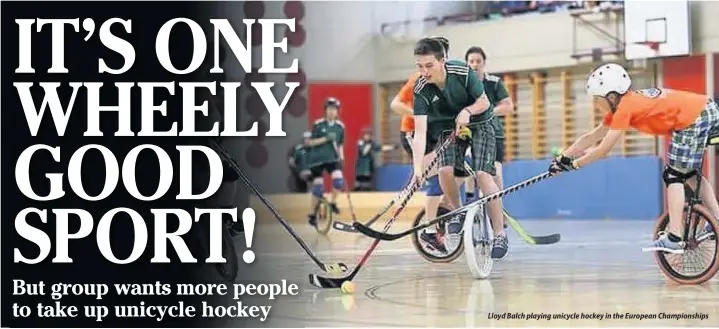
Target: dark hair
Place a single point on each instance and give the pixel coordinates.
(445, 43)
(429, 46)
(475, 50)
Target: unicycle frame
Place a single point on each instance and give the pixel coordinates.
(693, 205)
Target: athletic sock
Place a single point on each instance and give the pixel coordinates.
(674, 238)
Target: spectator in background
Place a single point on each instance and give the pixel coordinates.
(365, 163)
(298, 164)
(497, 9)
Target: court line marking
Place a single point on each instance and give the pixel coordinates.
(371, 292)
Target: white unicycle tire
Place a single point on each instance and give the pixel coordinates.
(477, 251)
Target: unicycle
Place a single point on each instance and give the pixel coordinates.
(453, 242)
(477, 236)
(323, 214)
(700, 260)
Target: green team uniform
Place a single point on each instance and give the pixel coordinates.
(441, 106)
(324, 157)
(301, 157)
(364, 166)
(496, 92)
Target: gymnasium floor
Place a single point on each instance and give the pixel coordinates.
(598, 267)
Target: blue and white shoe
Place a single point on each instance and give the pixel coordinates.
(706, 233)
(455, 224)
(664, 244)
(500, 247)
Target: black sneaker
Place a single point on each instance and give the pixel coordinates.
(334, 208)
(312, 220)
(500, 247)
(433, 240)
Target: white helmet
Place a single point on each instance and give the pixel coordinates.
(608, 78)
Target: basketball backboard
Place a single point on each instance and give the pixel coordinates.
(656, 29)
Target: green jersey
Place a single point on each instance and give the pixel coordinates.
(300, 155)
(365, 157)
(461, 89)
(496, 92)
(327, 152)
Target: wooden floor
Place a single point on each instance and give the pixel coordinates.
(597, 268)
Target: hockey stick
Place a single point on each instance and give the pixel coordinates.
(337, 224)
(390, 237)
(528, 238)
(341, 226)
(324, 282)
(350, 228)
(331, 268)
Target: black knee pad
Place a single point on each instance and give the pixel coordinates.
(673, 176)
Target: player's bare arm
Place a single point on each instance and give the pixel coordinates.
(317, 141)
(400, 107)
(504, 107)
(419, 143)
(608, 142)
(587, 140)
(479, 106)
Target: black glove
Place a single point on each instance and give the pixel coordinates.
(562, 163)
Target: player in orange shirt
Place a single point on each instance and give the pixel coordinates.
(687, 117)
(402, 104)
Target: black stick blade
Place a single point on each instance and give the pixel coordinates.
(378, 235)
(547, 239)
(326, 283)
(340, 226)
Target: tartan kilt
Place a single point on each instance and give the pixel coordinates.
(686, 149)
(484, 147)
(453, 154)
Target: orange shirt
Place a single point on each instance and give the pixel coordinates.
(406, 95)
(656, 111)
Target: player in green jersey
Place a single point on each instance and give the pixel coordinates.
(299, 163)
(326, 154)
(502, 106)
(449, 96)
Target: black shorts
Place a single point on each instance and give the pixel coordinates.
(462, 173)
(364, 179)
(405, 142)
(325, 167)
(500, 154)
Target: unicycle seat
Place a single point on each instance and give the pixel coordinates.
(713, 137)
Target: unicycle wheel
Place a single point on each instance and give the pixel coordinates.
(700, 260)
(323, 214)
(477, 236)
(453, 244)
